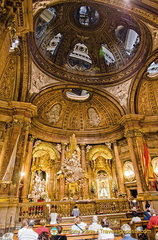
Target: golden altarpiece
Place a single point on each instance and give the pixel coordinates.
(78, 105)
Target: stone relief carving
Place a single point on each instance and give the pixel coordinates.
(94, 119)
(39, 80)
(54, 114)
(121, 92)
(88, 147)
(58, 147)
(154, 33)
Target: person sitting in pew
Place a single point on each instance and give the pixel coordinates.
(126, 232)
(153, 220)
(42, 228)
(136, 219)
(24, 226)
(78, 227)
(94, 226)
(105, 232)
(58, 235)
(29, 233)
(43, 236)
(146, 215)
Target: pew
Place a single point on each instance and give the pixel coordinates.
(125, 221)
(136, 233)
(154, 230)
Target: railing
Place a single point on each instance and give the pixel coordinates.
(64, 208)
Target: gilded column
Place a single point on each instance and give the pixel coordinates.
(119, 168)
(5, 146)
(62, 179)
(27, 167)
(63, 146)
(83, 157)
(51, 181)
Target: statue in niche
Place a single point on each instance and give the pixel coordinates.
(94, 119)
(54, 114)
(103, 190)
(103, 185)
(38, 187)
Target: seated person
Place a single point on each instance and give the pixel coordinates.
(43, 236)
(153, 220)
(78, 227)
(58, 235)
(94, 226)
(53, 215)
(126, 232)
(29, 233)
(146, 215)
(42, 228)
(105, 232)
(75, 211)
(24, 226)
(136, 219)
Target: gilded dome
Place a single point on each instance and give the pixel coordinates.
(92, 43)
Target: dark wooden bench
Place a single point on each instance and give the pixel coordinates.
(135, 232)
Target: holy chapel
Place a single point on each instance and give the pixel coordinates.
(78, 107)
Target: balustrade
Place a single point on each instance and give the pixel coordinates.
(64, 208)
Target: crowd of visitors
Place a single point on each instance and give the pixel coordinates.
(103, 230)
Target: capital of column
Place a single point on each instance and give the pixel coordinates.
(63, 146)
(83, 146)
(133, 133)
(31, 138)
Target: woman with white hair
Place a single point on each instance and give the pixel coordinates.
(94, 226)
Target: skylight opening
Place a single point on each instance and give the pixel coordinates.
(54, 43)
(129, 38)
(77, 94)
(87, 16)
(153, 70)
(79, 58)
(107, 54)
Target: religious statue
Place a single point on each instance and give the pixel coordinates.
(38, 187)
(103, 190)
(71, 167)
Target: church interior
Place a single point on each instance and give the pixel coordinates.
(78, 107)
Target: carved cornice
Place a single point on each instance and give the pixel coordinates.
(20, 111)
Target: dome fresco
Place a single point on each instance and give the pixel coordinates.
(90, 111)
(87, 42)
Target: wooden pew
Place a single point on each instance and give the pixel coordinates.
(135, 232)
(82, 236)
(154, 230)
(125, 221)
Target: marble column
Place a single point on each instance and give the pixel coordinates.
(119, 169)
(27, 168)
(135, 162)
